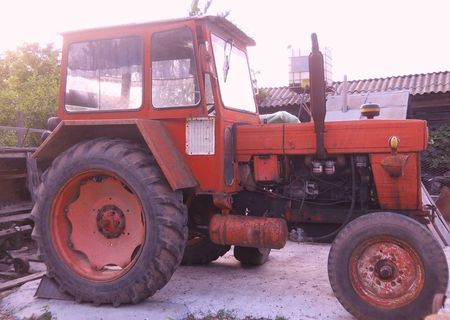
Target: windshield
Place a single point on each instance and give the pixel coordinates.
(234, 76)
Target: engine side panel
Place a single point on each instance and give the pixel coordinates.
(401, 192)
(363, 136)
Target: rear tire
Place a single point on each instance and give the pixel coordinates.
(201, 250)
(387, 266)
(251, 256)
(108, 226)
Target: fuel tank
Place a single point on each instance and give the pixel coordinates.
(246, 231)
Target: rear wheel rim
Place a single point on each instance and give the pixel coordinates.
(98, 225)
(386, 272)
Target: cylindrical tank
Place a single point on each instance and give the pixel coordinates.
(246, 231)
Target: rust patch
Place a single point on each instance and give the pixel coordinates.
(386, 272)
(245, 231)
(395, 165)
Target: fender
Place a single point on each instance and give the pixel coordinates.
(152, 133)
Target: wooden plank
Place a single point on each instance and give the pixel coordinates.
(13, 176)
(15, 218)
(13, 155)
(17, 282)
(21, 129)
(4, 234)
(13, 208)
(8, 275)
(7, 149)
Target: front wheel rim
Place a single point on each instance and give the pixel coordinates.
(386, 272)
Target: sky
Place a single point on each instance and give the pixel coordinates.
(368, 39)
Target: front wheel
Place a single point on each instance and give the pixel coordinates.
(387, 266)
(108, 225)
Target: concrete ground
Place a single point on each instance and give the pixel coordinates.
(293, 284)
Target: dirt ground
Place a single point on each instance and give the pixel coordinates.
(293, 285)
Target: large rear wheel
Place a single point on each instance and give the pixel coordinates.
(387, 266)
(108, 225)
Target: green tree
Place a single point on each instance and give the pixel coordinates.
(196, 10)
(437, 156)
(29, 82)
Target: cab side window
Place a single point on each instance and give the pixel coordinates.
(174, 71)
(104, 75)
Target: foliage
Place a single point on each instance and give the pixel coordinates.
(196, 10)
(224, 314)
(263, 93)
(437, 155)
(47, 315)
(29, 82)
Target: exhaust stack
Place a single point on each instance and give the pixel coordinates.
(317, 95)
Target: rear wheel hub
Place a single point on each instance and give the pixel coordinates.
(110, 221)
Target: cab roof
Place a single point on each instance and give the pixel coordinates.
(217, 21)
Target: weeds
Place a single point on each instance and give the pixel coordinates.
(224, 314)
(47, 315)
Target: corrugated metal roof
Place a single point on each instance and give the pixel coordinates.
(416, 84)
(279, 97)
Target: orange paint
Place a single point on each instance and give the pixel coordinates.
(247, 231)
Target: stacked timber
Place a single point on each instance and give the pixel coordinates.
(16, 201)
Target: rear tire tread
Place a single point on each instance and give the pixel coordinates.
(170, 215)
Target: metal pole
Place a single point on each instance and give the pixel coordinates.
(19, 133)
(344, 94)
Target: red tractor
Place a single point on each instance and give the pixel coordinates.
(159, 157)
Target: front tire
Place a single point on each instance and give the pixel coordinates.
(108, 226)
(387, 266)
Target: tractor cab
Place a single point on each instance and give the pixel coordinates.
(177, 68)
(191, 75)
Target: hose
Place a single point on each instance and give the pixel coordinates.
(349, 214)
